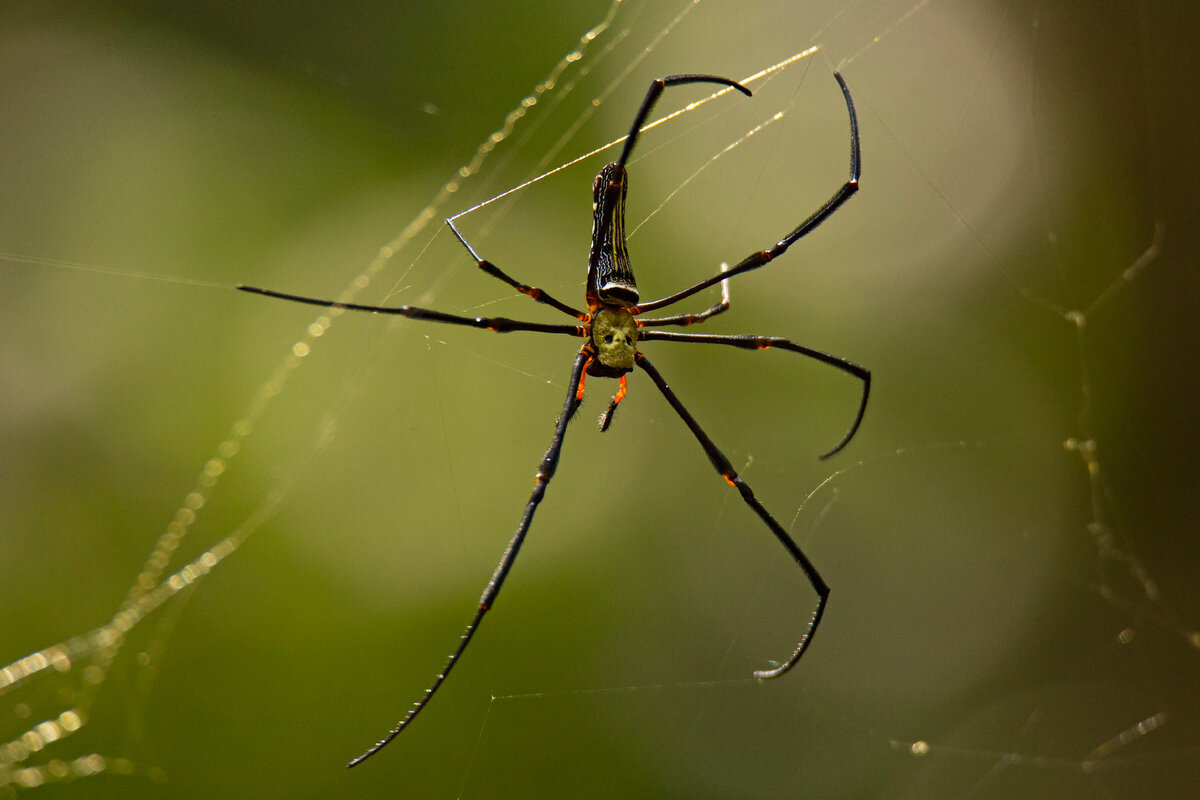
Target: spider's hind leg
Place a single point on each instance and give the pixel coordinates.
(691, 319)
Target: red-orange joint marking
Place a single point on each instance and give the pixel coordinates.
(582, 379)
(620, 392)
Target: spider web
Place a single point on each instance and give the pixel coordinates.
(1010, 538)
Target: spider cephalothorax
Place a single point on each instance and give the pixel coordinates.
(614, 334)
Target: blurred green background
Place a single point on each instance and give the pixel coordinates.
(997, 609)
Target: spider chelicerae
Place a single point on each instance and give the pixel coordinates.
(611, 328)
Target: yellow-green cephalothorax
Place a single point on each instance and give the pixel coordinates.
(614, 334)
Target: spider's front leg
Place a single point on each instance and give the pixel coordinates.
(726, 471)
(545, 472)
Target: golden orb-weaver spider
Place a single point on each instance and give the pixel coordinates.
(612, 327)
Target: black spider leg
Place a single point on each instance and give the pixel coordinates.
(652, 95)
(495, 324)
(610, 278)
(537, 294)
(719, 307)
(761, 257)
(722, 465)
(544, 474)
(498, 324)
(750, 342)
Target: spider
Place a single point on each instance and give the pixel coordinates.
(612, 326)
